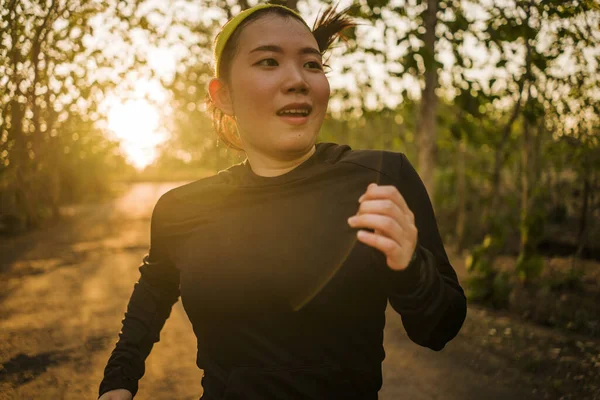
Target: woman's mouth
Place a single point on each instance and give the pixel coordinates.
(294, 119)
(295, 116)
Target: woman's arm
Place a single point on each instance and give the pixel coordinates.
(149, 307)
(427, 293)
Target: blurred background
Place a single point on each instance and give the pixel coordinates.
(496, 102)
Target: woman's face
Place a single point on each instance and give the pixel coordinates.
(277, 64)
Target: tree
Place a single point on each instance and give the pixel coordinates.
(53, 76)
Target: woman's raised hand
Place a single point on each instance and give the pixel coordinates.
(117, 394)
(383, 209)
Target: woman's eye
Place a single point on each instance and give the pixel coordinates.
(314, 64)
(269, 62)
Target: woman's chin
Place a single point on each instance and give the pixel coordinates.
(299, 142)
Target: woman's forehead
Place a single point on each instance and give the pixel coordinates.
(275, 30)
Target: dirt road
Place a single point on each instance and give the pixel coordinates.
(64, 290)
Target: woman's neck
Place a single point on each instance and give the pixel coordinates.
(268, 167)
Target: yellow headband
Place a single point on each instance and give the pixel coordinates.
(229, 28)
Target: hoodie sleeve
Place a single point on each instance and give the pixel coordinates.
(427, 293)
(149, 307)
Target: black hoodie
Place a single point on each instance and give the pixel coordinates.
(285, 302)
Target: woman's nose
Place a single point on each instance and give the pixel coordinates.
(295, 81)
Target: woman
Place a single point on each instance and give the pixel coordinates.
(285, 292)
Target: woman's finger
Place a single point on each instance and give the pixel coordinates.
(385, 207)
(388, 246)
(375, 191)
(381, 223)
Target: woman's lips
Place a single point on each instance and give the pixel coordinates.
(294, 120)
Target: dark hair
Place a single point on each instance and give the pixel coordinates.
(326, 29)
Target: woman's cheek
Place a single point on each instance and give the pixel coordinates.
(324, 90)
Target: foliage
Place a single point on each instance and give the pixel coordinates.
(485, 284)
(53, 75)
(529, 264)
(529, 267)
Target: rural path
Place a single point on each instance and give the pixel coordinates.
(64, 290)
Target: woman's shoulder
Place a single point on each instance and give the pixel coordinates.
(190, 189)
(387, 162)
(189, 196)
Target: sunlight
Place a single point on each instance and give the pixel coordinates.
(163, 61)
(135, 123)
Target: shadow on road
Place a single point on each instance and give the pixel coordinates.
(23, 368)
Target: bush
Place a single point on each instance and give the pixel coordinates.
(529, 267)
(484, 284)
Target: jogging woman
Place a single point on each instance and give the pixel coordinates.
(285, 262)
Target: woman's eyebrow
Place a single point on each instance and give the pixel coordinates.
(277, 49)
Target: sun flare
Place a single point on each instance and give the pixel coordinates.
(135, 124)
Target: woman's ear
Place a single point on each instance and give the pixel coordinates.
(219, 94)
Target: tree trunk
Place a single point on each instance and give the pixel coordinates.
(460, 192)
(20, 158)
(500, 157)
(526, 164)
(583, 226)
(525, 151)
(426, 131)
